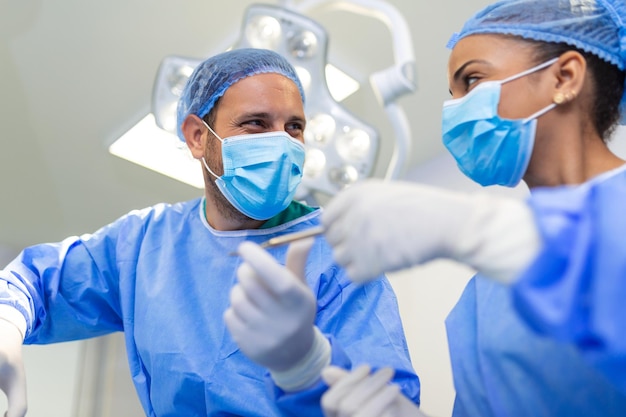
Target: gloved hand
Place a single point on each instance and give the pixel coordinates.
(272, 309)
(12, 374)
(380, 226)
(361, 394)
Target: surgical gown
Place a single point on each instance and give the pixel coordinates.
(163, 276)
(575, 291)
(554, 343)
(501, 367)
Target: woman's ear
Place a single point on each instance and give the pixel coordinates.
(570, 77)
(193, 129)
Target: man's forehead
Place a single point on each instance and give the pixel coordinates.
(263, 82)
(258, 94)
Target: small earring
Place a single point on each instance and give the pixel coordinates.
(559, 98)
(569, 96)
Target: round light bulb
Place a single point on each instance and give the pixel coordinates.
(320, 129)
(303, 45)
(343, 176)
(314, 162)
(353, 145)
(263, 32)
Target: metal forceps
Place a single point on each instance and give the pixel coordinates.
(289, 237)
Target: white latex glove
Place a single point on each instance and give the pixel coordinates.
(12, 374)
(272, 309)
(380, 226)
(359, 393)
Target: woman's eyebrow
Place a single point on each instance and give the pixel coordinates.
(458, 72)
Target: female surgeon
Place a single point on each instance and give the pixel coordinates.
(537, 91)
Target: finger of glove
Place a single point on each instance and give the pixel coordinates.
(359, 263)
(244, 308)
(16, 408)
(365, 391)
(402, 406)
(381, 404)
(275, 277)
(332, 374)
(360, 270)
(253, 288)
(16, 395)
(239, 330)
(333, 398)
(338, 208)
(297, 255)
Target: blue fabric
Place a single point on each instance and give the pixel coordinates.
(501, 367)
(595, 26)
(210, 80)
(261, 172)
(575, 290)
(162, 276)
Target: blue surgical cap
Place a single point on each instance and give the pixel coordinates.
(594, 26)
(210, 80)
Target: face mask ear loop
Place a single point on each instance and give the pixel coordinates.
(539, 113)
(209, 169)
(204, 160)
(530, 71)
(212, 131)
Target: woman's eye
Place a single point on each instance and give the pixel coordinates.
(469, 81)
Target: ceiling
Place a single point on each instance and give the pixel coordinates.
(76, 74)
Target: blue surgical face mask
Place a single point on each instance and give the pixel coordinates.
(489, 149)
(261, 172)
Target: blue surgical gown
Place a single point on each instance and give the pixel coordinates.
(163, 276)
(575, 290)
(502, 368)
(554, 343)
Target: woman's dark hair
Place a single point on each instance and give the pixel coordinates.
(608, 85)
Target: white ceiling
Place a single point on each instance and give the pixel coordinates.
(76, 74)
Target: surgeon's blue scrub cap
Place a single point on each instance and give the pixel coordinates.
(594, 26)
(210, 80)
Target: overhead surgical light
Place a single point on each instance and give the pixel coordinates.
(341, 148)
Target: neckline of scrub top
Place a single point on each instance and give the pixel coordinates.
(295, 213)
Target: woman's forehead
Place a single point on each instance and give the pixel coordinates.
(492, 48)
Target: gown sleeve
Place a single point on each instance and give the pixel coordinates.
(363, 325)
(67, 290)
(575, 290)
